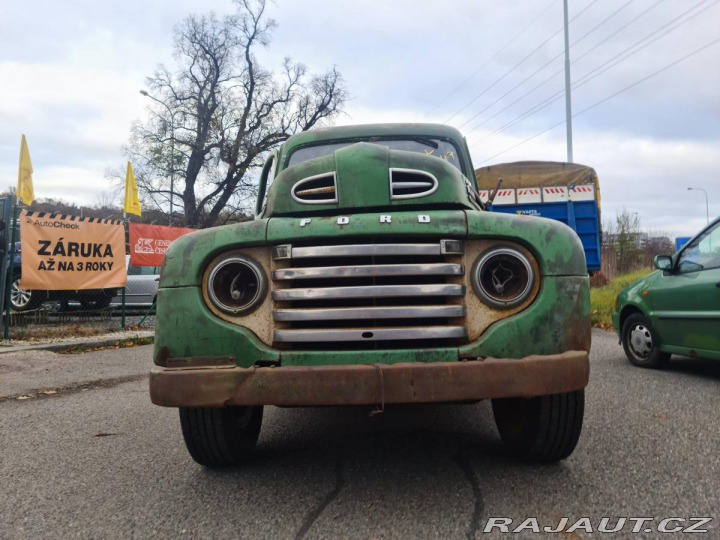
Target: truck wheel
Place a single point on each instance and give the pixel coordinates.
(544, 429)
(218, 437)
(640, 343)
(23, 299)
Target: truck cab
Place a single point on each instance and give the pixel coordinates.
(373, 275)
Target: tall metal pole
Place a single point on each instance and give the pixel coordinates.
(568, 100)
(172, 150)
(172, 165)
(707, 206)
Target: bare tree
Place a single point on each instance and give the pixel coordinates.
(623, 237)
(218, 115)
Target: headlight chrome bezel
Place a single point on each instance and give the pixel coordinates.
(520, 260)
(215, 297)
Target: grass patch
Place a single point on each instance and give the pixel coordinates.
(120, 344)
(602, 299)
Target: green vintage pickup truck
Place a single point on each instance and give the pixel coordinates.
(373, 275)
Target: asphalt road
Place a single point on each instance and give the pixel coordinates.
(97, 460)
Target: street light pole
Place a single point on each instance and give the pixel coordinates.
(707, 206)
(568, 98)
(172, 150)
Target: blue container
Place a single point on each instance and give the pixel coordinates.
(580, 216)
(681, 241)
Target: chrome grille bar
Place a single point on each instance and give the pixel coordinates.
(361, 250)
(404, 312)
(444, 247)
(440, 269)
(379, 291)
(343, 296)
(369, 334)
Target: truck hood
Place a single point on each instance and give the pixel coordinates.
(367, 177)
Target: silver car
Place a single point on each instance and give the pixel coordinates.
(141, 288)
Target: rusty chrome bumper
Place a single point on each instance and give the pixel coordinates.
(368, 384)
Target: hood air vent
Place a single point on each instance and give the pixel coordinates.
(318, 189)
(411, 184)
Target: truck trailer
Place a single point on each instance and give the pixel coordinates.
(565, 192)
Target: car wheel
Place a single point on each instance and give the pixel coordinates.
(542, 429)
(218, 437)
(23, 299)
(641, 344)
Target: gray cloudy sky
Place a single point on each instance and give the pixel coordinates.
(70, 74)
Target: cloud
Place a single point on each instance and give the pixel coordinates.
(72, 87)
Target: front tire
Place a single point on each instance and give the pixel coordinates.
(541, 429)
(219, 437)
(641, 344)
(23, 299)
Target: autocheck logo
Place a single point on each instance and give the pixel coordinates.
(645, 525)
(56, 224)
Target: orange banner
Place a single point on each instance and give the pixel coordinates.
(67, 253)
(148, 243)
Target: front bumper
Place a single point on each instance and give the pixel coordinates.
(369, 384)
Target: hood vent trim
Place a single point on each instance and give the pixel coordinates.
(318, 189)
(411, 184)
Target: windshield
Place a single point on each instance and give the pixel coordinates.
(421, 145)
(702, 253)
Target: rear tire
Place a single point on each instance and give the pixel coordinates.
(219, 437)
(542, 429)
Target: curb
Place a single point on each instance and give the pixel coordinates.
(98, 341)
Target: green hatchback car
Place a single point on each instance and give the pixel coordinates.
(675, 310)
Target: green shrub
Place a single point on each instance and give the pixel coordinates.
(602, 299)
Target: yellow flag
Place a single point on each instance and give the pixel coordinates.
(25, 186)
(132, 203)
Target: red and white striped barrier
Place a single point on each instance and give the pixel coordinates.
(535, 195)
(529, 195)
(582, 193)
(555, 194)
(505, 196)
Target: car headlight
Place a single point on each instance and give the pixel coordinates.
(236, 284)
(503, 277)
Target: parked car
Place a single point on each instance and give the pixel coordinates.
(141, 288)
(676, 309)
(27, 299)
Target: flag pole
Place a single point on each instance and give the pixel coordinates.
(26, 194)
(8, 287)
(122, 323)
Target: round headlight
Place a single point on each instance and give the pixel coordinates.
(237, 285)
(503, 277)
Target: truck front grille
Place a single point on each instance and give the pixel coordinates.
(368, 295)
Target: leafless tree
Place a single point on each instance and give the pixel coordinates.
(222, 112)
(623, 236)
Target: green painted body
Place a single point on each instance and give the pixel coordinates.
(558, 320)
(682, 307)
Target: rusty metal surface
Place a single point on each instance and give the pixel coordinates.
(201, 361)
(259, 322)
(371, 384)
(479, 315)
